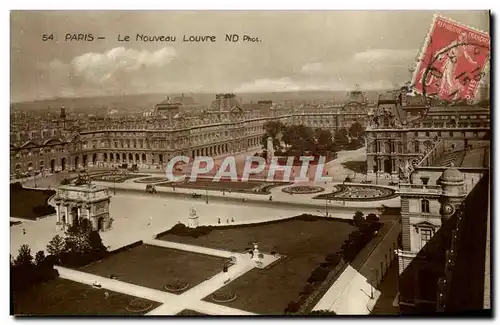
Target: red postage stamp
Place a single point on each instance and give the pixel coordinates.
(453, 61)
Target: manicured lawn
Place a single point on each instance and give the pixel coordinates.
(154, 267)
(305, 244)
(255, 187)
(29, 203)
(64, 297)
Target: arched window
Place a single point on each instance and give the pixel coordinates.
(425, 206)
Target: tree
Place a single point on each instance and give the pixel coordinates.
(341, 138)
(372, 217)
(275, 130)
(356, 130)
(324, 140)
(77, 237)
(56, 245)
(39, 258)
(95, 242)
(24, 257)
(358, 218)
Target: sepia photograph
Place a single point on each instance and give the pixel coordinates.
(250, 163)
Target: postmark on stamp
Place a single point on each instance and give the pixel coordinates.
(453, 61)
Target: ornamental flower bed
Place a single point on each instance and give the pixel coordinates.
(138, 305)
(303, 189)
(176, 286)
(223, 296)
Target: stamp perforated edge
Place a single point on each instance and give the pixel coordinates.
(422, 52)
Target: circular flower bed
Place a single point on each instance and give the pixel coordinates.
(223, 296)
(303, 189)
(149, 180)
(359, 193)
(176, 286)
(138, 305)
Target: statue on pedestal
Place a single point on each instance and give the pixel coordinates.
(256, 251)
(193, 221)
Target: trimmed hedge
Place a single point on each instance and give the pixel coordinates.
(182, 230)
(74, 259)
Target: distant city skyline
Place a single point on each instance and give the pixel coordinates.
(297, 51)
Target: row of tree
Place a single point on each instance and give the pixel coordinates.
(80, 246)
(300, 139)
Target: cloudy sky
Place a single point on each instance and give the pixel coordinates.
(316, 50)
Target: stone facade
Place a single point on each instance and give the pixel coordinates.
(401, 130)
(74, 203)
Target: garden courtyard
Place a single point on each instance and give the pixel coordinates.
(304, 245)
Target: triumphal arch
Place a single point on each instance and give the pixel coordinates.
(77, 202)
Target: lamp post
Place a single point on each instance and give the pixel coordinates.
(114, 173)
(326, 207)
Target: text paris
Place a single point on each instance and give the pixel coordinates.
(199, 39)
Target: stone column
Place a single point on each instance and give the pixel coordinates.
(58, 213)
(68, 220)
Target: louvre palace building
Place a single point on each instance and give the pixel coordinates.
(172, 128)
(402, 130)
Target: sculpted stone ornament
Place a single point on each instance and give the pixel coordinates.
(405, 172)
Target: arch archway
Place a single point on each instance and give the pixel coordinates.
(105, 157)
(52, 165)
(130, 157)
(77, 161)
(143, 157)
(74, 216)
(63, 163)
(136, 157)
(124, 157)
(94, 159)
(85, 160)
(111, 157)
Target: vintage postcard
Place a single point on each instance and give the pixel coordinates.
(245, 163)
